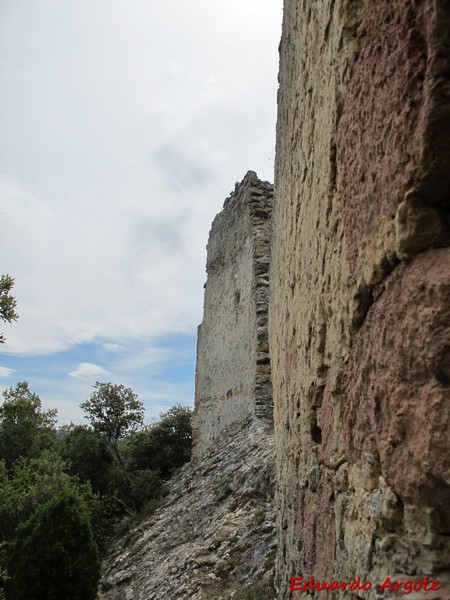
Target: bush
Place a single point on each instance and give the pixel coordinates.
(55, 555)
(35, 482)
(144, 486)
(25, 429)
(256, 591)
(163, 446)
(88, 456)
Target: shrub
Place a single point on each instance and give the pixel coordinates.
(25, 429)
(55, 555)
(87, 455)
(163, 446)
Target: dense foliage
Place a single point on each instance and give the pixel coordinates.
(55, 555)
(87, 456)
(165, 445)
(99, 476)
(25, 430)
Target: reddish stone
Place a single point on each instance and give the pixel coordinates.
(315, 532)
(394, 130)
(397, 384)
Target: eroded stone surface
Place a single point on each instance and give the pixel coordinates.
(397, 391)
(393, 134)
(359, 299)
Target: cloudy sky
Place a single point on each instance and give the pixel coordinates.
(124, 126)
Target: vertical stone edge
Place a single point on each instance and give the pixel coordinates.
(261, 205)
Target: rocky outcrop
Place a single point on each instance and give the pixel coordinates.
(359, 308)
(215, 533)
(233, 365)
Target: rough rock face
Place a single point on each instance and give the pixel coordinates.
(215, 533)
(359, 323)
(233, 365)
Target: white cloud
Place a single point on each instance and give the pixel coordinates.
(111, 347)
(5, 372)
(121, 137)
(88, 370)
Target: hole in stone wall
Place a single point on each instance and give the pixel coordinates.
(237, 297)
(316, 432)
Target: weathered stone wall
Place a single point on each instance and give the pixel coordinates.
(360, 292)
(233, 368)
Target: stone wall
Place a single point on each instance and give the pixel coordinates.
(360, 292)
(233, 367)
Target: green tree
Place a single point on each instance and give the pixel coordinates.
(34, 482)
(164, 445)
(87, 455)
(114, 411)
(4, 578)
(25, 429)
(7, 302)
(55, 555)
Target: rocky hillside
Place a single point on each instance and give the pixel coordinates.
(214, 536)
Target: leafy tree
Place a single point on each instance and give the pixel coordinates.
(55, 555)
(114, 411)
(4, 578)
(30, 484)
(7, 302)
(25, 429)
(145, 485)
(33, 482)
(87, 455)
(165, 445)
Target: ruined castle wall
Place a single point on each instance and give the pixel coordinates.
(233, 370)
(360, 292)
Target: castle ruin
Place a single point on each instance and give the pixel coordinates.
(233, 380)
